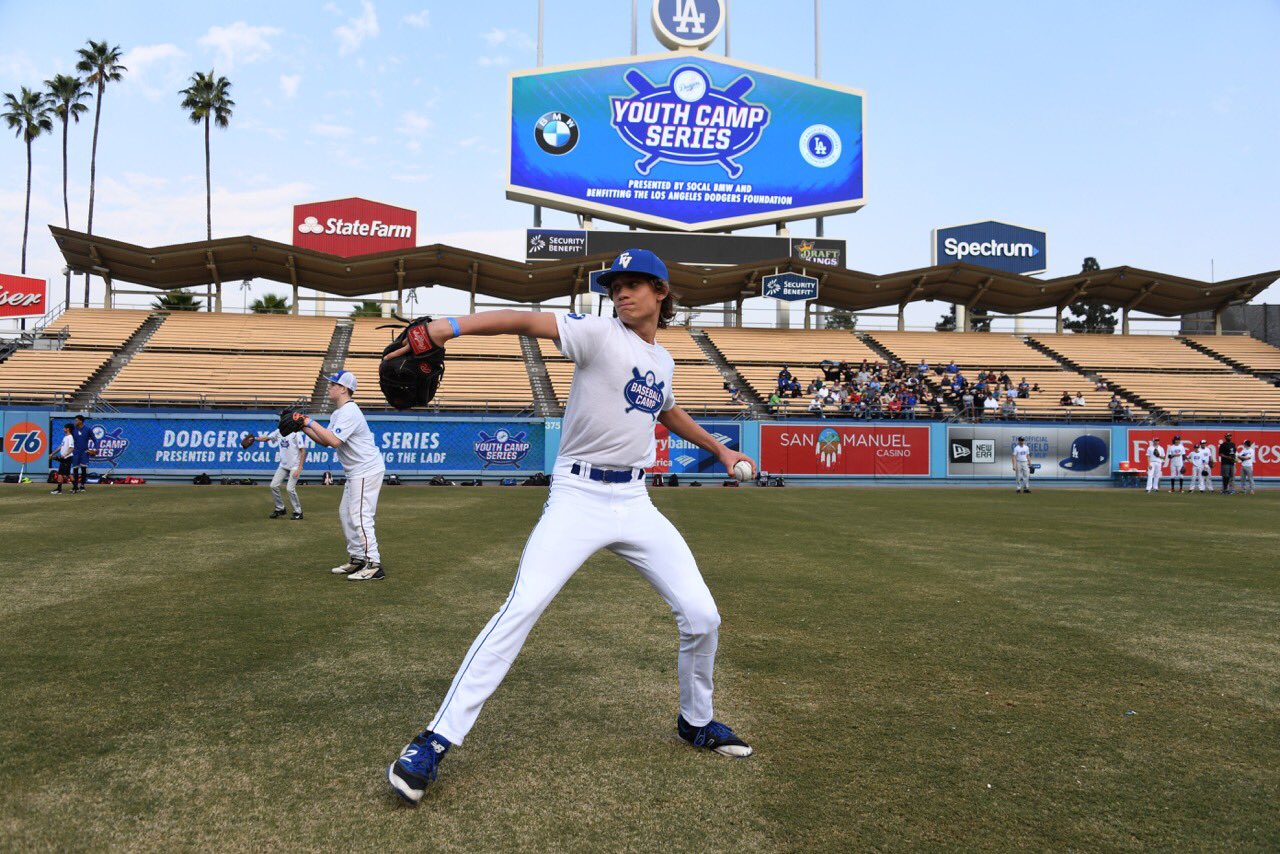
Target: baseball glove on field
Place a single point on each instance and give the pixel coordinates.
(290, 422)
(246, 442)
(412, 379)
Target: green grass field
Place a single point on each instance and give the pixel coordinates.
(944, 668)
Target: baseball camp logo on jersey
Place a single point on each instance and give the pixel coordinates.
(644, 392)
(686, 120)
(502, 448)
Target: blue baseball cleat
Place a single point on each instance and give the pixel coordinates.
(714, 736)
(418, 765)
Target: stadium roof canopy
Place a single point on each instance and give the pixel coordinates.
(236, 258)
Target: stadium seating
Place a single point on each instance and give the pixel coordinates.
(243, 333)
(95, 328)
(368, 340)
(742, 346)
(155, 377)
(969, 350)
(47, 375)
(1244, 350)
(1129, 353)
(1228, 396)
(469, 384)
(698, 387)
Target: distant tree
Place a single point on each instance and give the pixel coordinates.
(1090, 265)
(1091, 317)
(979, 321)
(207, 100)
(270, 304)
(29, 116)
(840, 318)
(67, 92)
(176, 301)
(101, 62)
(368, 308)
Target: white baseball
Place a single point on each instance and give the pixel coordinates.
(743, 470)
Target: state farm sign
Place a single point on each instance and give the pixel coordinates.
(350, 227)
(21, 296)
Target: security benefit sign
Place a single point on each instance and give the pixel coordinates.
(677, 456)
(1057, 452)
(684, 142)
(879, 451)
(789, 287)
(998, 245)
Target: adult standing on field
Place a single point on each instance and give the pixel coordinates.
(1155, 461)
(80, 436)
(349, 435)
(1227, 462)
(621, 389)
(1021, 458)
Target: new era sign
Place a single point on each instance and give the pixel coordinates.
(351, 227)
(22, 296)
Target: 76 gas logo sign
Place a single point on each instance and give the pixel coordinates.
(25, 442)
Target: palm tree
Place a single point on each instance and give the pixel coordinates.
(270, 304)
(67, 91)
(180, 300)
(205, 99)
(367, 308)
(102, 63)
(28, 115)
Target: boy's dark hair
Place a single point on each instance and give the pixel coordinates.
(67, 426)
(79, 417)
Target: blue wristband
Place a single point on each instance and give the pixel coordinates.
(457, 330)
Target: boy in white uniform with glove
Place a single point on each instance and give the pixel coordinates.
(1155, 461)
(1201, 460)
(349, 435)
(621, 389)
(290, 458)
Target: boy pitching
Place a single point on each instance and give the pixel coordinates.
(291, 456)
(349, 435)
(621, 388)
(66, 450)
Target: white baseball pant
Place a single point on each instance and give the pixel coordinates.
(581, 517)
(1153, 478)
(359, 504)
(1200, 479)
(1246, 478)
(1022, 475)
(284, 475)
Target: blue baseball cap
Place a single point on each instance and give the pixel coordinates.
(1087, 453)
(640, 261)
(345, 378)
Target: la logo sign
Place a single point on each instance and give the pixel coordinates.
(351, 227)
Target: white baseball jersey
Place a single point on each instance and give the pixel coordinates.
(1155, 456)
(1200, 458)
(287, 454)
(1021, 454)
(1245, 456)
(67, 448)
(357, 453)
(1176, 452)
(620, 384)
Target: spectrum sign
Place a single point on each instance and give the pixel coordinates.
(351, 227)
(998, 245)
(684, 142)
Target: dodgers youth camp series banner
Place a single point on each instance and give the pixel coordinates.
(816, 449)
(1059, 452)
(1267, 443)
(191, 445)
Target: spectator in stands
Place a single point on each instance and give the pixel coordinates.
(990, 406)
(830, 371)
(1078, 400)
(735, 394)
(1008, 409)
(846, 372)
(1024, 389)
(1065, 400)
(793, 388)
(815, 406)
(967, 404)
(1100, 385)
(1116, 406)
(909, 402)
(952, 367)
(775, 402)
(932, 403)
(784, 377)
(893, 407)
(1004, 380)
(922, 369)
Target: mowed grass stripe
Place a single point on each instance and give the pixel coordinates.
(914, 667)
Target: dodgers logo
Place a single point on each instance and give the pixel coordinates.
(644, 392)
(502, 448)
(687, 120)
(110, 446)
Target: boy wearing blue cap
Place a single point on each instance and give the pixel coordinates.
(349, 435)
(621, 390)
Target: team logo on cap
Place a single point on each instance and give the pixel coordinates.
(556, 132)
(820, 146)
(644, 392)
(1087, 453)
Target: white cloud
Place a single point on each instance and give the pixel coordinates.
(239, 42)
(331, 131)
(412, 178)
(139, 59)
(420, 20)
(155, 69)
(353, 33)
(414, 123)
(512, 38)
(493, 61)
(289, 84)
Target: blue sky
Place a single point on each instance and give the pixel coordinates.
(1142, 133)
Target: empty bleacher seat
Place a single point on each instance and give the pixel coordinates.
(743, 346)
(1129, 353)
(243, 333)
(368, 340)
(969, 350)
(95, 328)
(39, 375)
(158, 377)
(1257, 356)
(467, 384)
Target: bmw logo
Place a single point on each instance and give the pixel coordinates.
(556, 133)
